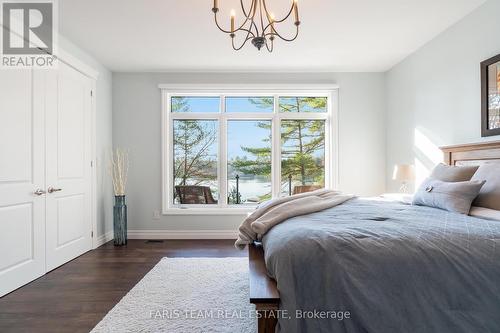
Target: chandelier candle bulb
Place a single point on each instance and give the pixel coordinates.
(296, 10)
(232, 20)
(271, 18)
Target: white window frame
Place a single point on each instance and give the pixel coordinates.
(223, 91)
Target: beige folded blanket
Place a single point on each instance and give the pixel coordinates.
(275, 211)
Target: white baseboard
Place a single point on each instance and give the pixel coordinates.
(182, 234)
(103, 239)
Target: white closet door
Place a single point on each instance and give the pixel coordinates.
(22, 160)
(68, 169)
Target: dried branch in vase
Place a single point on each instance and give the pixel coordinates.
(118, 169)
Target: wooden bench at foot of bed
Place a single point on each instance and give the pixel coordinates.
(263, 291)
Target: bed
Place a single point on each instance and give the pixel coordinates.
(396, 267)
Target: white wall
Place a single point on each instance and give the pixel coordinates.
(103, 98)
(433, 96)
(428, 100)
(136, 125)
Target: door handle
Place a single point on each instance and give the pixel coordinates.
(39, 192)
(52, 190)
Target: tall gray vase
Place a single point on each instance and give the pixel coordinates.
(120, 220)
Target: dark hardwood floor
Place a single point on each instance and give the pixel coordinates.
(77, 295)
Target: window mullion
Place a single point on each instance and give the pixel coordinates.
(167, 164)
(194, 116)
(276, 151)
(333, 136)
(171, 155)
(222, 155)
(303, 116)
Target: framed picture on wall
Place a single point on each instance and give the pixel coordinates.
(490, 96)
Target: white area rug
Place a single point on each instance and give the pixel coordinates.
(187, 295)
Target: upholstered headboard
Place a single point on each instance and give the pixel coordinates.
(472, 154)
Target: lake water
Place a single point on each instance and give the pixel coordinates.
(250, 189)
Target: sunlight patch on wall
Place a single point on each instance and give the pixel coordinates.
(427, 155)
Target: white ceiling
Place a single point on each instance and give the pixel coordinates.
(179, 35)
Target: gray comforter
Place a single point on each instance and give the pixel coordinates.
(387, 266)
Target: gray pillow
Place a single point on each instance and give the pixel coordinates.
(451, 196)
(450, 173)
(489, 196)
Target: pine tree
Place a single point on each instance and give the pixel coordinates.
(192, 142)
(301, 141)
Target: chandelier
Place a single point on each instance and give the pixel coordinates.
(259, 25)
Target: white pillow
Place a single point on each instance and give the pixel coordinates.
(485, 213)
(451, 196)
(453, 173)
(489, 196)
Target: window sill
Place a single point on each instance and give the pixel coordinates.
(208, 211)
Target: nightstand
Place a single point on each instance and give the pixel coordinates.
(401, 197)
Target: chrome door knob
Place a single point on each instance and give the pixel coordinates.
(52, 190)
(39, 192)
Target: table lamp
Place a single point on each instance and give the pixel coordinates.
(404, 173)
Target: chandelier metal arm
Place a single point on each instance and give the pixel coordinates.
(228, 31)
(275, 33)
(270, 49)
(242, 44)
(244, 10)
(283, 19)
(253, 24)
(253, 9)
(254, 4)
(247, 38)
(272, 24)
(247, 18)
(261, 18)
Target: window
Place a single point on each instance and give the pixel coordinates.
(302, 155)
(249, 161)
(195, 159)
(228, 150)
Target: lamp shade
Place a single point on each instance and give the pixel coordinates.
(404, 172)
